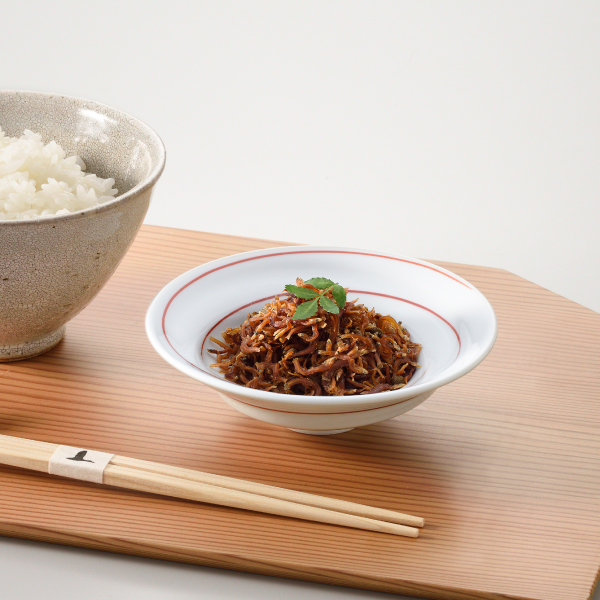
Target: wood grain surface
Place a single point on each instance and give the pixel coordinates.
(503, 464)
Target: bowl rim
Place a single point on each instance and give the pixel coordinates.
(160, 304)
(141, 187)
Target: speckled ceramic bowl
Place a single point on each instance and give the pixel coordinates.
(51, 268)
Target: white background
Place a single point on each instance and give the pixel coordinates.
(457, 131)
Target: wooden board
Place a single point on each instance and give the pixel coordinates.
(504, 464)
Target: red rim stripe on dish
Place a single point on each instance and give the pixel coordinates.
(350, 292)
(414, 304)
(269, 297)
(243, 260)
(295, 412)
(227, 317)
(298, 412)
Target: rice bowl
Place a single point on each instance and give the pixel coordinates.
(38, 180)
(53, 265)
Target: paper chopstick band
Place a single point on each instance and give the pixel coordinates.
(79, 463)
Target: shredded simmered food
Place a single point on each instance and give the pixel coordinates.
(357, 351)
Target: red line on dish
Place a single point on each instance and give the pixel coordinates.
(348, 412)
(336, 413)
(414, 304)
(227, 316)
(268, 297)
(243, 260)
(349, 291)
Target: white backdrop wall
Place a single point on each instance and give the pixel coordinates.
(462, 131)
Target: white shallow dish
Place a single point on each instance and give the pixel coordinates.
(449, 317)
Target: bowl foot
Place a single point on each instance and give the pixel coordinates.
(32, 348)
(317, 432)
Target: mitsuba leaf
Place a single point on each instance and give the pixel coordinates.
(306, 310)
(339, 295)
(329, 305)
(301, 292)
(320, 282)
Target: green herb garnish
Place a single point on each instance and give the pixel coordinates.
(309, 309)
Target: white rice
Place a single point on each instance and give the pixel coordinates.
(37, 180)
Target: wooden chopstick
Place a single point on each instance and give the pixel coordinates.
(269, 491)
(251, 487)
(178, 482)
